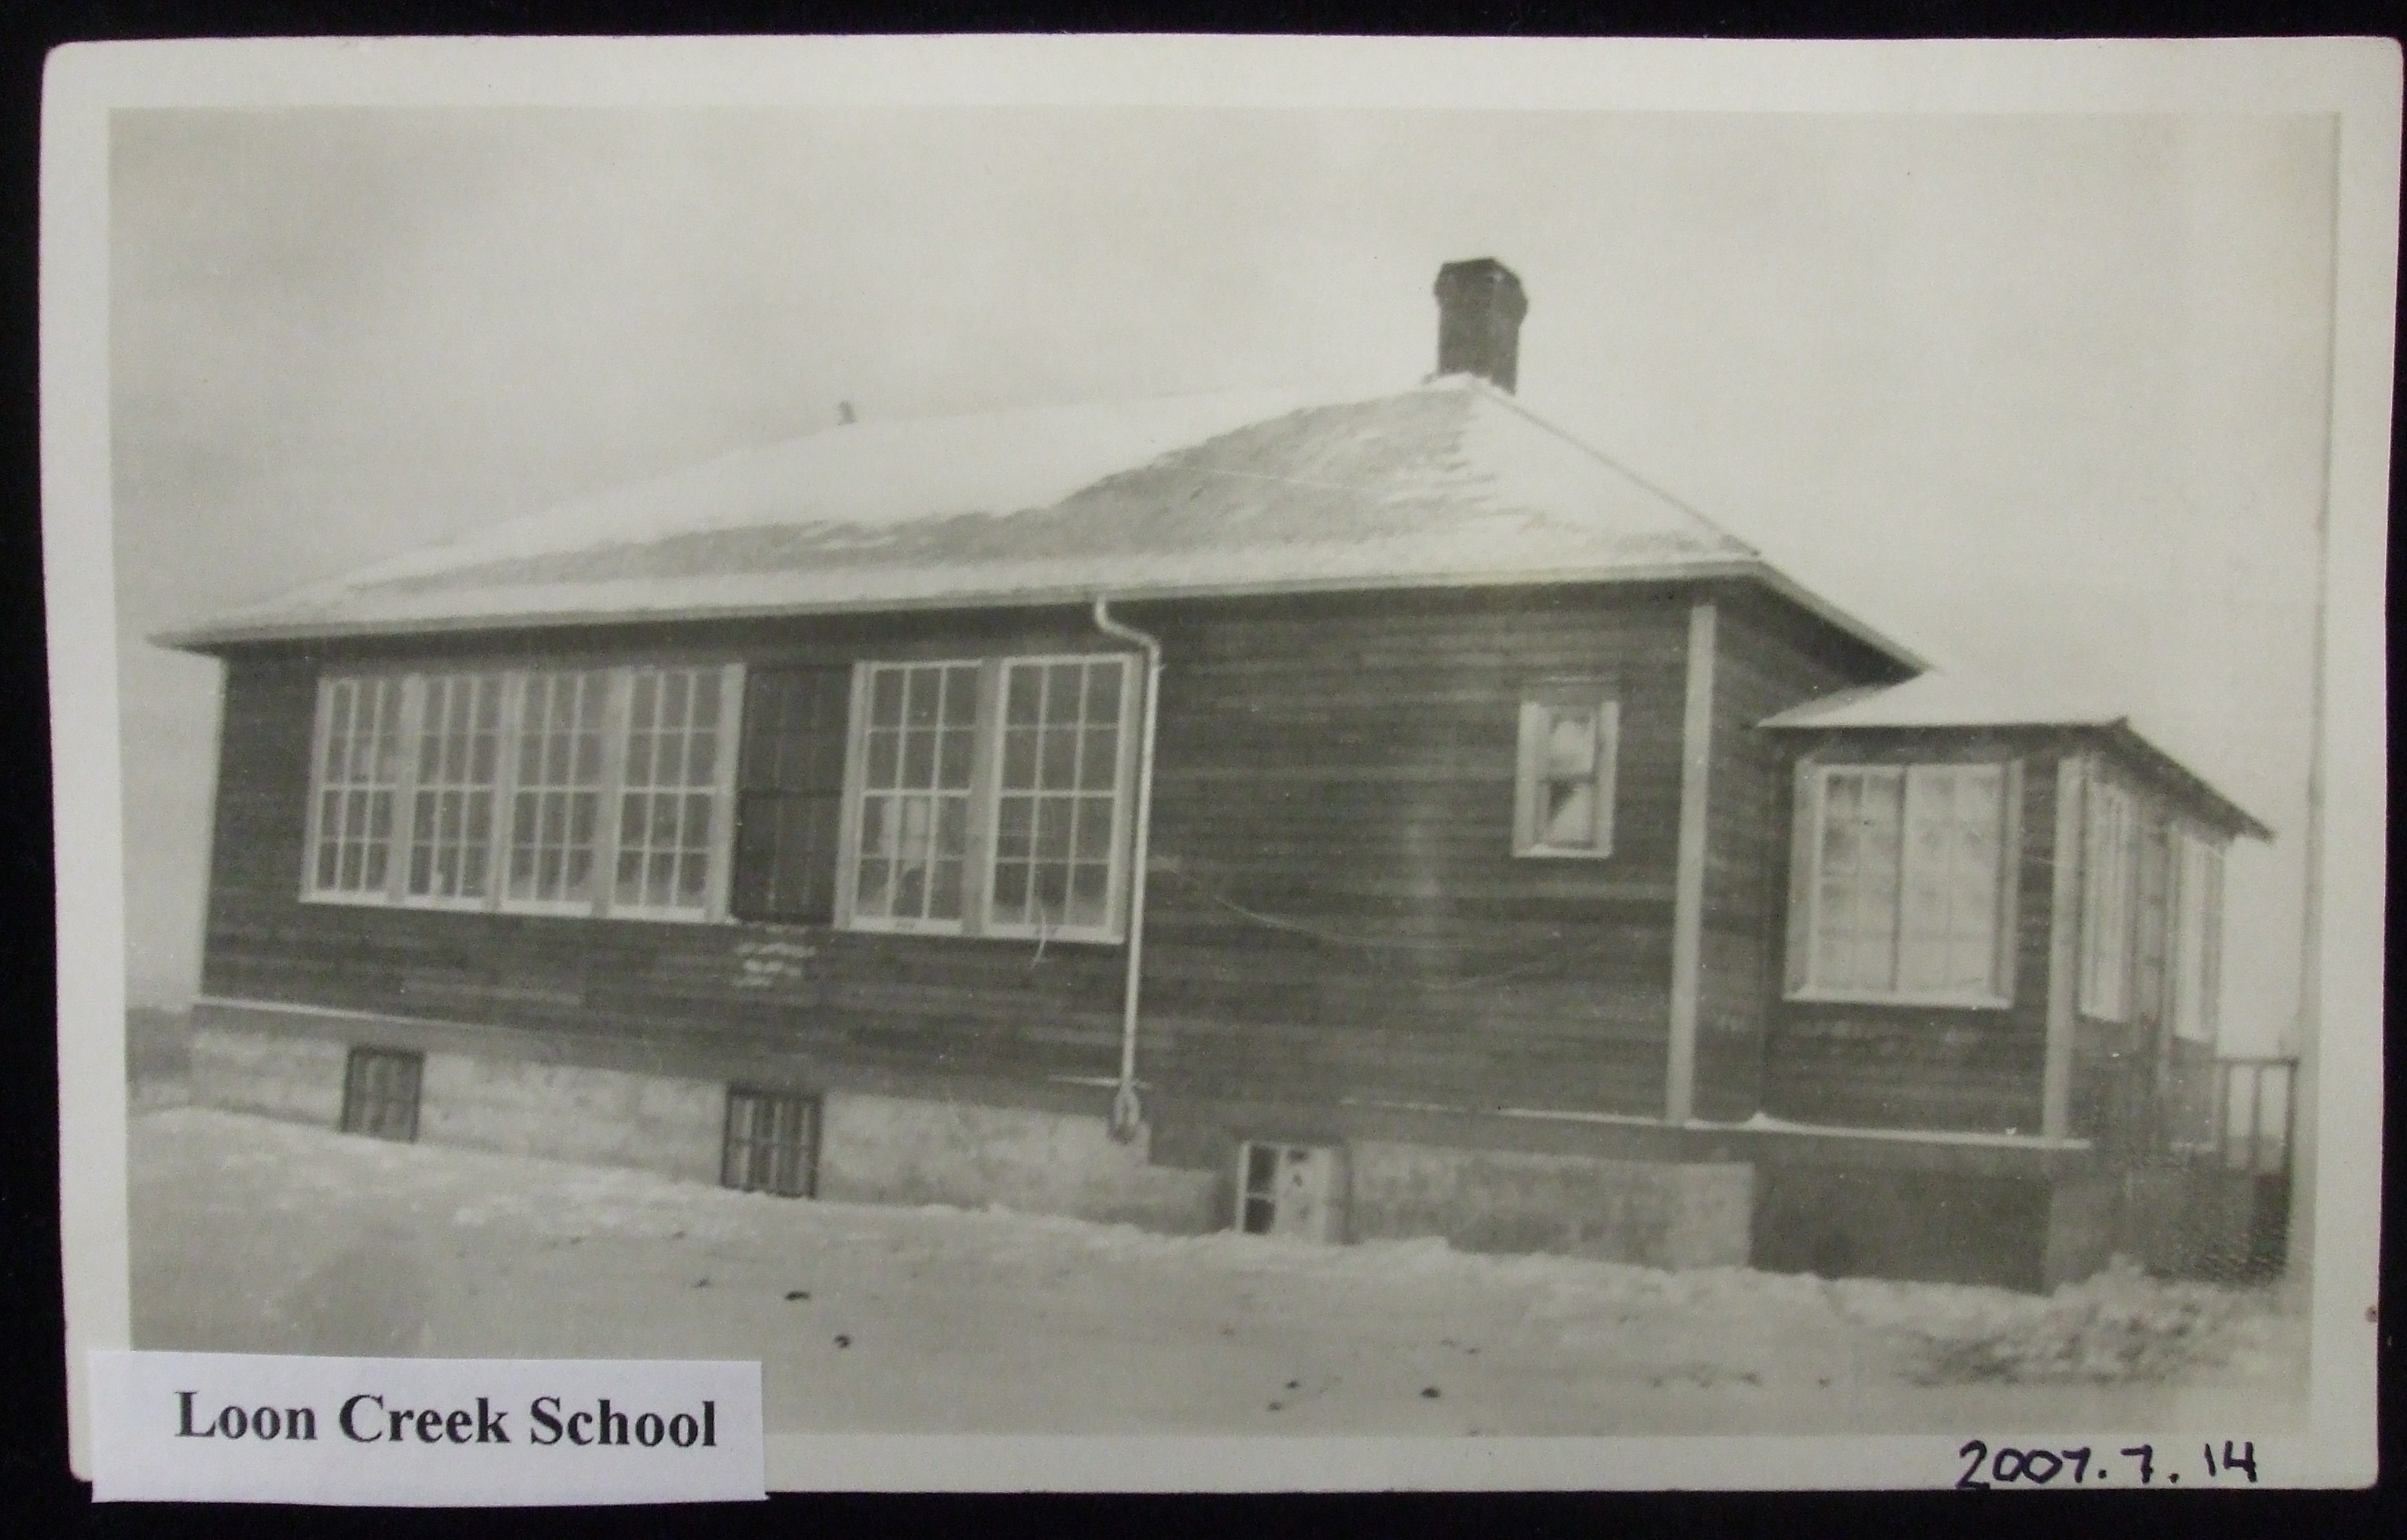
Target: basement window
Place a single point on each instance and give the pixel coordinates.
(380, 1093)
(772, 1143)
(989, 797)
(1901, 884)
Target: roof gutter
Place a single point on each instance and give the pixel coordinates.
(1127, 1115)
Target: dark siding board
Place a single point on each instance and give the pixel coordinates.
(789, 793)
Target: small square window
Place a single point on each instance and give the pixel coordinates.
(380, 1093)
(1563, 804)
(772, 1144)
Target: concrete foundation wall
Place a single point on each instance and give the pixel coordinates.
(1656, 1214)
(569, 1112)
(1839, 1221)
(2084, 1227)
(299, 1079)
(890, 1149)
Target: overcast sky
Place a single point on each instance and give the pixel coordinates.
(2043, 397)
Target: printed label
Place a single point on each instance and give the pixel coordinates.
(422, 1433)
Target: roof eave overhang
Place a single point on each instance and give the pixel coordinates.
(2116, 732)
(219, 637)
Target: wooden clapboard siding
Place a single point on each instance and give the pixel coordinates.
(1767, 659)
(1333, 879)
(1335, 904)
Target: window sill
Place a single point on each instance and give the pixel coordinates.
(876, 926)
(1051, 937)
(1540, 852)
(992, 933)
(352, 901)
(446, 905)
(1906, 1001)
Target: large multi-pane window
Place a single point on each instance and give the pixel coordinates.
(358, 765)
(2109, 868)
(669, 801)
(2197, 935)
(568, 791)
(556, 804)
(451, 808)
(1905, 883)
(1056, 813)
(915, 761)
(989, 797)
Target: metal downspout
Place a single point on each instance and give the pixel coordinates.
(1127, 1114)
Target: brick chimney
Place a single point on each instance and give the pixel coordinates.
(1479, 310)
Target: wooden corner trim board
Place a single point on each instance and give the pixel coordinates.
(1689, 882)
(2064, 933)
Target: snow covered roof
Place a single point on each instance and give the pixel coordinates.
(1943, 700)
(1451, 484)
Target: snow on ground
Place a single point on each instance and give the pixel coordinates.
(251, 1235)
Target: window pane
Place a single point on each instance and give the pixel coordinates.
(1103, 692)
(1053, 828)
(1570, 820)
(1571, 746)
(961, 697)
(1089, 882)
(944, 890)
(885, 697)
(918, 759)
(1015, 828)
(919, 707)
(1010, 905)
(1949, 933)
(1099, 758)
(1052, 897)
(1063, 684)
(885, 758)
(1856, 910)
(1020, 758)
(953, 759)
(1024, 694)
(1095, 835)
(1057, 767)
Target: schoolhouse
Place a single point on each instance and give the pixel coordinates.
(1371, 817)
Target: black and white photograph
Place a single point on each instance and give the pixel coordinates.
(1239, 755)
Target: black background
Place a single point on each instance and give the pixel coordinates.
(37, 1491)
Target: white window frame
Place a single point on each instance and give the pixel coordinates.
(2110, 899)
(1530, 779)
(2194, 960)
(1813, 780)
(978, 917)
(496, 899)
